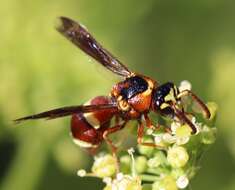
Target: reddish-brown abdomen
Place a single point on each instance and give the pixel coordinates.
(84, 134)
(88, 128)
(104, 115)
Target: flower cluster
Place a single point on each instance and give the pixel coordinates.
(170, 167)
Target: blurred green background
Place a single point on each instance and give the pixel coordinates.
(39, 69)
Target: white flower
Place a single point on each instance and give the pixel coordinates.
(123, 182)
(180, 134)
(174, 126)
(81, 173)
(185, 85)
(182, 182)
(166, 183)
(158, 139)
(149, 131)
(154, 162)
(177, 156)
(169, 138)
(208, 134)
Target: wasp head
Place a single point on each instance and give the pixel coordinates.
(164, 97)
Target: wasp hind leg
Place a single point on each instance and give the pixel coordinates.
(109, 131)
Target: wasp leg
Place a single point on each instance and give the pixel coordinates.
(168, 130)
(151, 126)
(93, 151)
(149, 122)
(140, 134)
(117, 120)
(206, 111)
(112, 130)
(181, 116)
(109, 131)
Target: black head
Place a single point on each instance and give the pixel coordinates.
(163, 98)
(166, 100)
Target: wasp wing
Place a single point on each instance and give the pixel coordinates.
(66, 111)
(79, 36)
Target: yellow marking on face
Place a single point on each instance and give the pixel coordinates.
(176, 90)
(170, 96)
(164, 105)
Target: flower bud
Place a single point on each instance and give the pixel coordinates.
(140, 164)
(183, 134)
(159, 140)
(208, 135)
(185, 85)
(177, 172)
(183, 131)
(182, 182)
(213, 107)
(146, 150)
(125, 163)
(168, 138)
(167, 183)
(153, 162)
(177, 156)
(158, 159)
(81, 173)
(104, 166)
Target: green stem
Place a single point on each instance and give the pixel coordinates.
(157, 171)
(149, 178)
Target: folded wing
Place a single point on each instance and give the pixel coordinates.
(66, 111)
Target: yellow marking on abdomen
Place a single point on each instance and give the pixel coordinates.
(83, 144)
(90, 118)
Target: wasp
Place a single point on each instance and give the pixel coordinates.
(133, 98)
